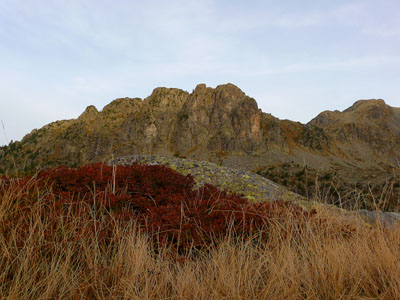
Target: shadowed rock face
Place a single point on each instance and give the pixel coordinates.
(221, 125)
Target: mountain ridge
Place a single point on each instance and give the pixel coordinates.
(221, 125)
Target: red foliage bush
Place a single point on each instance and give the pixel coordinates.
(163, 202)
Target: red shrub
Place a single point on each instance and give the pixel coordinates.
(162, 201)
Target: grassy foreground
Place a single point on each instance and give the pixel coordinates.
(43, 257)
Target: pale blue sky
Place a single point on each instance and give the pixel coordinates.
(296, 58)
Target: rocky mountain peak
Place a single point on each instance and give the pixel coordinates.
(162, 92)
(362, 104)
(89, 113)
(370, 109)
(121, 107)
(372, 123)
(224, 91)
(164, 97)
(200, 87)
(360, 112)
(325, 118)
(230, 90)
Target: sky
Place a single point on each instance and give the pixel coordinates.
(296, 58)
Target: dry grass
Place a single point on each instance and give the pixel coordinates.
(323, 262)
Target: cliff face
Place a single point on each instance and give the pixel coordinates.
(221, 125)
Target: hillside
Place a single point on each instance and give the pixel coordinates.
(149, 232)
(225, 126)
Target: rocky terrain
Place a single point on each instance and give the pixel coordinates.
(253, 187)
(358, 147)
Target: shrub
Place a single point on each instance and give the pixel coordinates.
(164, 204)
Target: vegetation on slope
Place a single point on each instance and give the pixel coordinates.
(382, 194)
(164, 203)
(80, 234)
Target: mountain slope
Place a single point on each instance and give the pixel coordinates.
(211, 124)
(221, 125)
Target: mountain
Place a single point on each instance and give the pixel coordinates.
(224, 126)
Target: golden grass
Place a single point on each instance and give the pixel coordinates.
(323, 262)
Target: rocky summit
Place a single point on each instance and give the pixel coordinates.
(224, 126)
